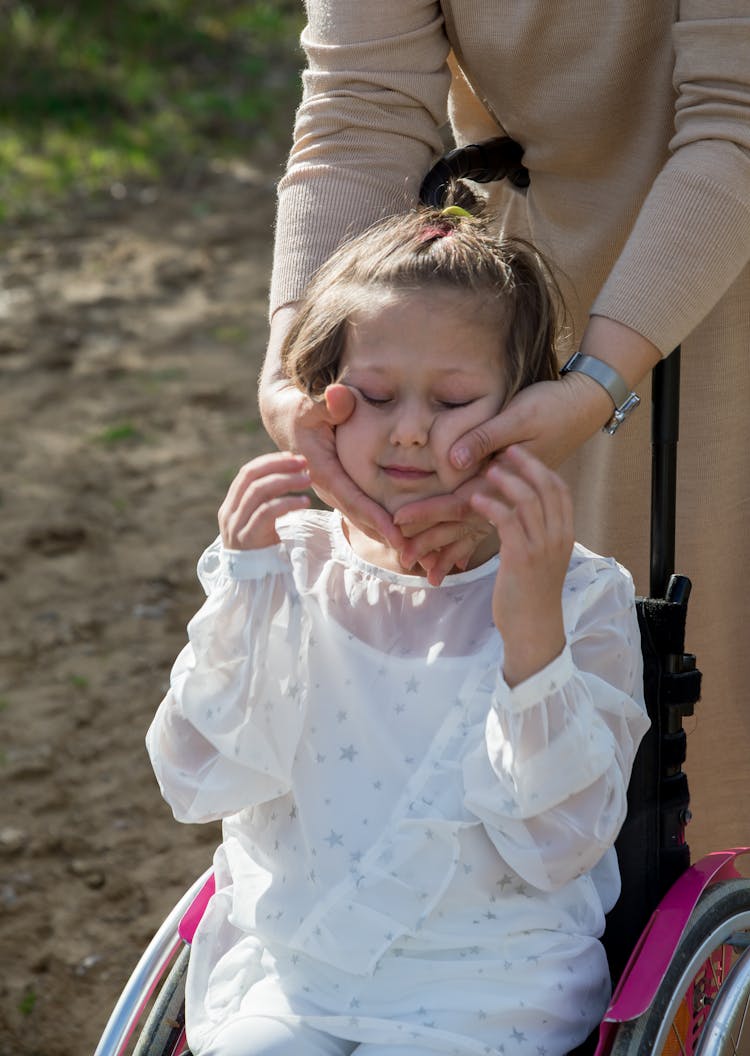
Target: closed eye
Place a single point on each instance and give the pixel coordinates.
(375, 401)
(450, 404)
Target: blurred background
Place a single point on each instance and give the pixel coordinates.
(140, 146)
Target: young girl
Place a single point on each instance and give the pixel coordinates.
(420, 785)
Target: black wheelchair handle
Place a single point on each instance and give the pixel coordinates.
(493, 159)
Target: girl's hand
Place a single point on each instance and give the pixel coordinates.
(258, 495)
(531, 508)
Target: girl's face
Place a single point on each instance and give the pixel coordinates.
(424, 368)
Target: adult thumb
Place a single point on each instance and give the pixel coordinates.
(340, 403)
(484, 440)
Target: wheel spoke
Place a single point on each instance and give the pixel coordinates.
(712, 962)
(676, 1033)
(736, 1044)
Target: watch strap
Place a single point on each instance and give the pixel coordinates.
(615, 385)
(600, 371)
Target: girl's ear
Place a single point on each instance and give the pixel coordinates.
(340, 402)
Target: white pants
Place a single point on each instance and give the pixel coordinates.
(261, 1036)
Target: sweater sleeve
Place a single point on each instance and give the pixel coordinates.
(550, 779)
(692, 235)
(374, 96)
(225, 735)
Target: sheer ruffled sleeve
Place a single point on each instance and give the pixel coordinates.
(549, 779)
(225, 735)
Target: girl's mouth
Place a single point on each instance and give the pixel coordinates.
(407, 472)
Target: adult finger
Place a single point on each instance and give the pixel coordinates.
(424, 514)
(337, 489)
(340, 402)
(455, 556)
(550, 418)
(513, 425)
(436, 538)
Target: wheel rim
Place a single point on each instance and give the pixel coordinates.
(703, 976)
(730, 1013)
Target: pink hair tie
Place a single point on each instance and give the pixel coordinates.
(444, 229)
(435, 231)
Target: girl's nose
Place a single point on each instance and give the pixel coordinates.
(411, 428)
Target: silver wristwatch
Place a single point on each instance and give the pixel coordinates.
(624, 400)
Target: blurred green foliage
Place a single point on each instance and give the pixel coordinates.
(94, 92)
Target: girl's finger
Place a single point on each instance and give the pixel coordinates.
(521, 498)
(510, 531)
(260, 530)
(264, 489)
(552, 490)
(273, 462)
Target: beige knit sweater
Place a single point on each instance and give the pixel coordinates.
(634, 117)
(635, 120)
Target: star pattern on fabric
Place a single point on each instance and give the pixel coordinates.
(363, 807)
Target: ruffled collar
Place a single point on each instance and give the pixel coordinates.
(344, 548)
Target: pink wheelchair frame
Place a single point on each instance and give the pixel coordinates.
(684, 990)
(636, 991)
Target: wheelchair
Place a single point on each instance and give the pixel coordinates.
(682, 988)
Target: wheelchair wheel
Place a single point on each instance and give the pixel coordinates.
(164, 1031)
(702, 1006)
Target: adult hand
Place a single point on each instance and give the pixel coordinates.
(550, 419)
(297, 423)
(532, 511)
(553, 418)
(442, 532)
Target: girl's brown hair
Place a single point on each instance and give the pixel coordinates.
(506, 278)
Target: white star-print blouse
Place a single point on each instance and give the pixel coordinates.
(378, 780)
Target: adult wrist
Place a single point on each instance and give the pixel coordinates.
(624, 400)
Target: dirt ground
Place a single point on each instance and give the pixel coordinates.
(131, 333)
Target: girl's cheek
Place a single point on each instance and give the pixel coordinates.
(446, 429)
